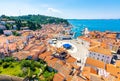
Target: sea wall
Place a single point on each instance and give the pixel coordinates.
(10, 78)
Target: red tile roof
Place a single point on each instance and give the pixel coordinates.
(112, 69)
(101, 50)
(58, 77)
(96, 63)
(45, 54)
(71, 60)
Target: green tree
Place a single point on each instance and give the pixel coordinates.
(9, 59)
(18, 24)
(1, 61)
(1, 31)
(8, 27)
(5, 65)
(15, 33)
(31, 25)
(26, 63)
(38, 26)
(3, 16)
(48, 75)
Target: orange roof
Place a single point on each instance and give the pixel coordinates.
(96, 63)
(113, 36)
(87, 70)
(45, 54)
(113, 70)
(69, 78)
(58, 77)
(71, 60)
(28, 47)
(104, 45)
(77, 78)
(32, 53)
(51, 61)
(109, 78)
(101, 50)
(75, 66)
(21, 55)
(80, 79)
(48, 58)
(59, 50)
(39, 49)
(117, 79)
(117, 63)
(2, 39)
(65, 70)
(12, 46)
(60, 62)
(85, 38)
(86, 73)
(58, 65)
(94, 77)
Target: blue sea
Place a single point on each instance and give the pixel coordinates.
(102, 25)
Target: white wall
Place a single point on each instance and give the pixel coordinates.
(101, 57)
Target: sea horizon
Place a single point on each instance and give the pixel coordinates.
(92, 18)
(102, 25)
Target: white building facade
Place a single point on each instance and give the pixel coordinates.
(101, 57)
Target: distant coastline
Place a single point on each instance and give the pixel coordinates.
(102, 25)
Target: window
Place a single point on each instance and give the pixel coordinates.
(97, 58)
(98, 55)
(101, 59)
(118, 72)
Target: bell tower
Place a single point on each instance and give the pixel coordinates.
(86, 32)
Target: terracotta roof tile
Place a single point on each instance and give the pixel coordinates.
(113, 70)
(113, 36)
(101, 50)
(94, 77)
(28, 47)
(86, 72)
(45, 54)
(75, 66)
(12, 46)
(95, 63)
(69, 78)
(21, 55)
(71, 60)
(58, 77)
(117, 63)
(80, 79)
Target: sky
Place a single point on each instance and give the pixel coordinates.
(68, 9)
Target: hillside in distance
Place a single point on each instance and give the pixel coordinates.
(33, 22)
(41, 19)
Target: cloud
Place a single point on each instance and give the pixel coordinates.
(15, 9)
(52, 10)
